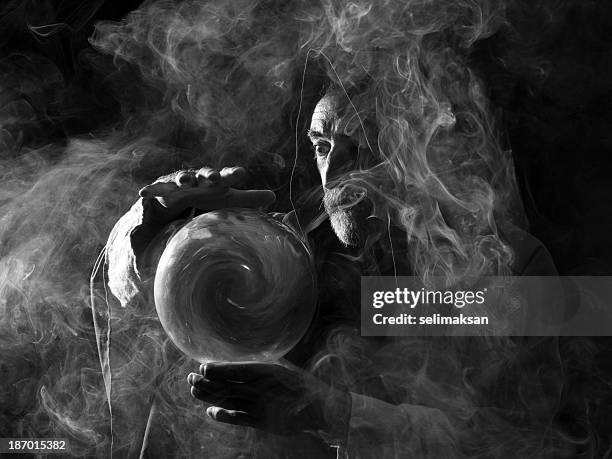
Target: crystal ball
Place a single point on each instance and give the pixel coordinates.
(235, 285)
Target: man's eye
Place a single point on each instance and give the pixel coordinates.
(322, 149)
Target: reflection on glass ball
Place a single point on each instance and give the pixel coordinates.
(235, 285)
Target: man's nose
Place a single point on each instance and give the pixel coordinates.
(341, 159)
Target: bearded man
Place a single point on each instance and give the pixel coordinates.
(365, 418)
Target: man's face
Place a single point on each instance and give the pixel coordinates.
(336, 155)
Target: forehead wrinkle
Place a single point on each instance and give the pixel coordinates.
(328, 115)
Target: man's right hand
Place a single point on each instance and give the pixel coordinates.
(205, 189)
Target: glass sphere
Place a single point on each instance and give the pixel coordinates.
(235, 285)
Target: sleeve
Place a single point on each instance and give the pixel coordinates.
(132, 252)
(531, 258)
(540, 263)
(382, 430)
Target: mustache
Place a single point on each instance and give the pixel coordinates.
(343, 198)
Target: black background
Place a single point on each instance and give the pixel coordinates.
(550, 81)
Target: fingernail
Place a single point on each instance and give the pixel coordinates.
(194, 378)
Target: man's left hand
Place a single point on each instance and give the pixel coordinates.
(271, 397)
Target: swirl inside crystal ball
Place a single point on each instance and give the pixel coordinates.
(235, 285)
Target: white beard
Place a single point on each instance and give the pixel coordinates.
(346, 228)
(347, 222)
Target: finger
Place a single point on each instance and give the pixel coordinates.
(238, 418)
(213, 387)
(236, 371)
(208, 174)
(229, 403)
(158, 189)
(233, 175)
(250, 198)
(185, 179)
(211, 391)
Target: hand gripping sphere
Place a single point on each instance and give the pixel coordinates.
(235, 285)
